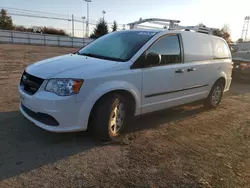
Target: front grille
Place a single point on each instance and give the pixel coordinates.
(41, 117)
(30, 83)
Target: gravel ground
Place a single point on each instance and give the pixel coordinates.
(187, 146)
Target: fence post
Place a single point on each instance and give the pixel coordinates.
(11, 35)
(72, 41)
(29, 38)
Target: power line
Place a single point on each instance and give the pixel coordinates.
(25, 10)
(54, 18)
(37, 16)
(49, 17)
(18, 12)
(30, 13)
(45, 15)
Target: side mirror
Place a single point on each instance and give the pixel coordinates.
(153, 58)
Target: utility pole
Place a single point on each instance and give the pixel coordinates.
(83, 20)
(87, 23)
(103, 12)
(73, 34)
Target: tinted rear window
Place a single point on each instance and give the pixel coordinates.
(221, 50)
(197, 47)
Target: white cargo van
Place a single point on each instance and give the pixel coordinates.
(122, 74)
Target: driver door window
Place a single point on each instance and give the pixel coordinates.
(169, 49)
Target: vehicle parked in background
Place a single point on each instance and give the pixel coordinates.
(123, 74)
(241, 69)
(233, 47)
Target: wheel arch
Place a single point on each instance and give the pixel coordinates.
(208, 100)
(123, 92)
(97, 93)
(221, 79)
(130, 99)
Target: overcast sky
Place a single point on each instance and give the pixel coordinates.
(212, 13)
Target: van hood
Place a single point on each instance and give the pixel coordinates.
(68, 66)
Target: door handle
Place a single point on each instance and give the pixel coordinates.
(191, 69)
(179, 71)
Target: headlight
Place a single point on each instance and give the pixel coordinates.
(64, 87)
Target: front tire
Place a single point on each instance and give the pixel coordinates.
(109, 117)
(215, 95)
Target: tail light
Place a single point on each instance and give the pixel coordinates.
(244, 66)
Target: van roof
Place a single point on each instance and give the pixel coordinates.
(165, 31)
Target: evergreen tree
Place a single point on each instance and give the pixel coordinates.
(5, 20)
(100, 29)
(114, 26)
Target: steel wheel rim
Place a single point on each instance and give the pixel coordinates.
(117, 118)
(216, 95)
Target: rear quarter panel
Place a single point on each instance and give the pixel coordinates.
(199, 53)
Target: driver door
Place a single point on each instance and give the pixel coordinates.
(162, 85)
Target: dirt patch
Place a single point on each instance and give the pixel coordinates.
(13, 60)
(187, 146)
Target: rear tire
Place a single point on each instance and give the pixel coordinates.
(109, 117)
(215, 95)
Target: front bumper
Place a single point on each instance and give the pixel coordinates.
(70, 115)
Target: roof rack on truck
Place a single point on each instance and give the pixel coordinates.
(170, 25)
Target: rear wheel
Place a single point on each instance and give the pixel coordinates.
(215, 95)
(109, 117)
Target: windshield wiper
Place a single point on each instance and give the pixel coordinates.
(101, 57)
(87, 54)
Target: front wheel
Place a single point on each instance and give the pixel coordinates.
(109, 117)
(215, 95)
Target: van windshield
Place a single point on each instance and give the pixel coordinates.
(117, 46)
